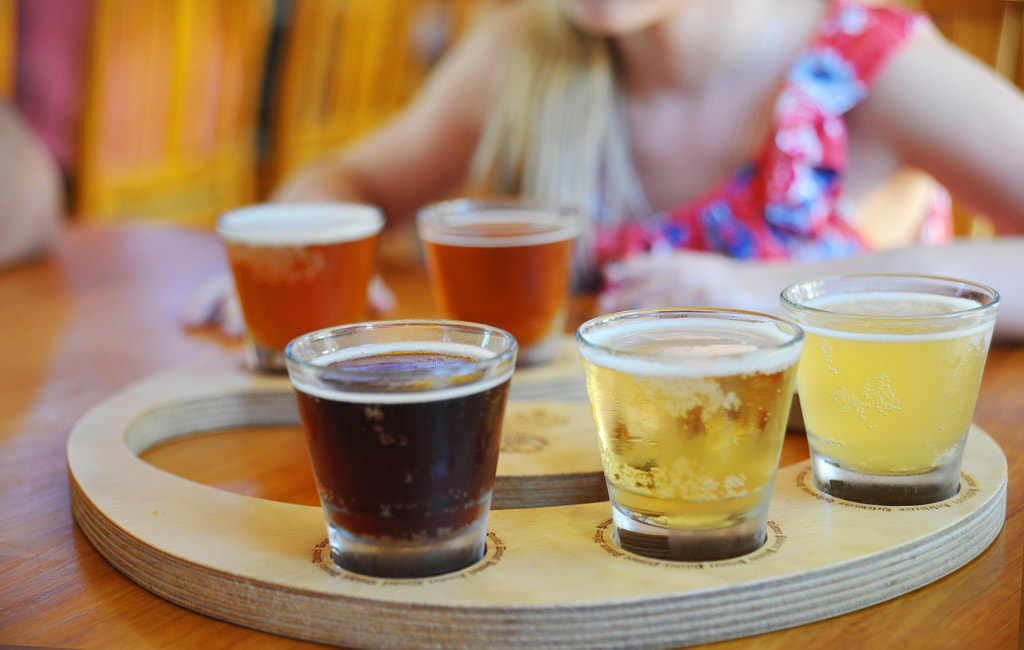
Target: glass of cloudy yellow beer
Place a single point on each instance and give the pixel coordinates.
(691, 408)
(505, 262)
(403, 424)
(888, 381)
(298, 267)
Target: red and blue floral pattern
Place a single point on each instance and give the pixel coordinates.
(790, 202)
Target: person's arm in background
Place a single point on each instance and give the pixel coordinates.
(32, 206)
(711, 280)
(424, 152)
(938, 109)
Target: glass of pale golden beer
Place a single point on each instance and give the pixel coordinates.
(691, 408)
(505, 262)
(403, 425)
(298, 267)
(888, 381)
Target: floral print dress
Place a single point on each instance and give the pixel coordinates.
(790, 203)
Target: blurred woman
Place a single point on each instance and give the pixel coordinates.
(721, 146)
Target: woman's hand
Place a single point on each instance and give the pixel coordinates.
(380, 299)
(215, 303)
(691, 279)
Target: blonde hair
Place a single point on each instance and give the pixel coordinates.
(556, 131)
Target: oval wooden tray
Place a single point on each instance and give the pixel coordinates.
(551, 576)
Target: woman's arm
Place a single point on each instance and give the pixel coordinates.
(423, 153)
(938, 109)
(697, 279)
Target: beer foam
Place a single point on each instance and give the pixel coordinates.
(691, 348)
(413, 396)
(300, 224)
(498, 228)
(895, 305)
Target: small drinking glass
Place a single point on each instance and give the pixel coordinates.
(298, 267)
(888, 381)
(691, 407)
(505, 262)
(403, 424)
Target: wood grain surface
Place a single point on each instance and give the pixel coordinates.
(103, 312)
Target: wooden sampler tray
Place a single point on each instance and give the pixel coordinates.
(551, 576)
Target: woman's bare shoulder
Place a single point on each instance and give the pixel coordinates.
(499, 27)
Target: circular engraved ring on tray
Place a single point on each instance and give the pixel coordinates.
(494, 550)
(968, 489)
(773, 542)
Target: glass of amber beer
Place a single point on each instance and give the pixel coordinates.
(505, 262)
(691, 408)
(888, 381)
(298, 267)
(403, 424)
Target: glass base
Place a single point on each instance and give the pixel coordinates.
(384, 558)
(542, 352)
(885, 490)
(701, 545)
(263, 359)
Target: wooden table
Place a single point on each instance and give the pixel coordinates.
(104, 312)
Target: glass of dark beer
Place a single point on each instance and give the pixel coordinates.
(403, 423)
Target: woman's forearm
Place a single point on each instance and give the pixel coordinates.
(998, 263)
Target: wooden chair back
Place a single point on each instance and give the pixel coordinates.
(173, 93)
(991, 30)
(8, 47)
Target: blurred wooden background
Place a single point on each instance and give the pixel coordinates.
(8, 41)
(190, 107)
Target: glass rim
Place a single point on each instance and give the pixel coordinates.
(571, 217)
(925, 281)
(507, 355)
(500, 201)
(271, 210)
(794, 336)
